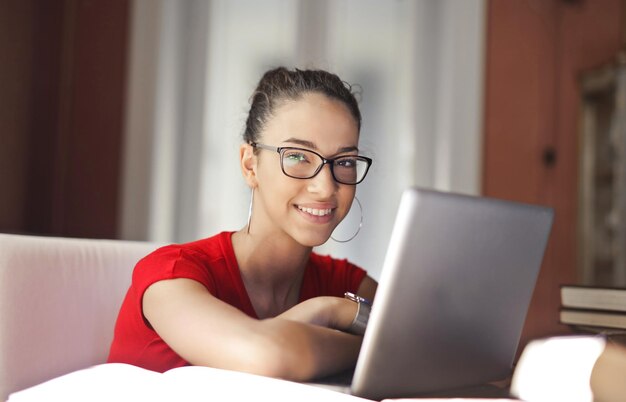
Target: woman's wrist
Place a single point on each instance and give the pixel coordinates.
(341, 313)
(361, 318)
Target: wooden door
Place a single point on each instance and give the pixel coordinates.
(537, 51)
(63, 81)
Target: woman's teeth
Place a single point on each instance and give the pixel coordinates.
(316, 212)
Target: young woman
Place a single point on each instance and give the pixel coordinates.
(259, 300)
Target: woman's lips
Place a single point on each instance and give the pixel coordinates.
(317, 215)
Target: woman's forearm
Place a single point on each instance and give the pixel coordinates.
(325, 311)
(309, 351)
(219, 335)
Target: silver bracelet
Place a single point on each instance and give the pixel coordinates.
(364, 307)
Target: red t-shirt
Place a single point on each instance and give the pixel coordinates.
(211, 262)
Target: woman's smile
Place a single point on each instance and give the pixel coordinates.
(317, 214)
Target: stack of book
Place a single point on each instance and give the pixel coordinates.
(595, 307)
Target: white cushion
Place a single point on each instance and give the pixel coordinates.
(59, 300)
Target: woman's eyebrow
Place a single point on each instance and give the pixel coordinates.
(348, 149)
(304, 143)
(311, 145)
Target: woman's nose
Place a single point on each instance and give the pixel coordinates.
(323, 182)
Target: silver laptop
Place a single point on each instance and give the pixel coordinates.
(455, 287)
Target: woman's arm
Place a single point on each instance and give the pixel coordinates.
(331, 312)
(324, 311)
(206, 331)
(607, 376)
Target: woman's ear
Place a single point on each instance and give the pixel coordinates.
(248, 163)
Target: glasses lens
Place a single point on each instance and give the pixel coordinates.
(300, 163)
(350, 169)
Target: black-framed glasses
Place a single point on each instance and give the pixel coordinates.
(301, 163)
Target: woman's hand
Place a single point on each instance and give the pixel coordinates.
(325, 311)
(330, 312)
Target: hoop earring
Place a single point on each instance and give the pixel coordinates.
(250, 210)
(360, 224)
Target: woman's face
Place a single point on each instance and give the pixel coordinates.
(307, 210)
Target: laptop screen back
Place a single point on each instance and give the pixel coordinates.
(455, 287)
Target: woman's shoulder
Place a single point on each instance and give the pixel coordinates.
(205, 249)
(198, 260)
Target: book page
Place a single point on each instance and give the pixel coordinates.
(451, 400)
(124, 382)
(104, 382)
(557, 369)
(205, 383)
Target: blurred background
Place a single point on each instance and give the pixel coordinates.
(122, 118)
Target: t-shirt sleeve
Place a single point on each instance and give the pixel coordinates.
(170, 262)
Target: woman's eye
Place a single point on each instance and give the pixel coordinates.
(346, 162)
(295, 157)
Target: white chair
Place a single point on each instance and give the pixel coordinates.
(59, 299)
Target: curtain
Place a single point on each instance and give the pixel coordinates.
(194, 64)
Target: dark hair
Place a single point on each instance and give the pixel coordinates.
(280, 84)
